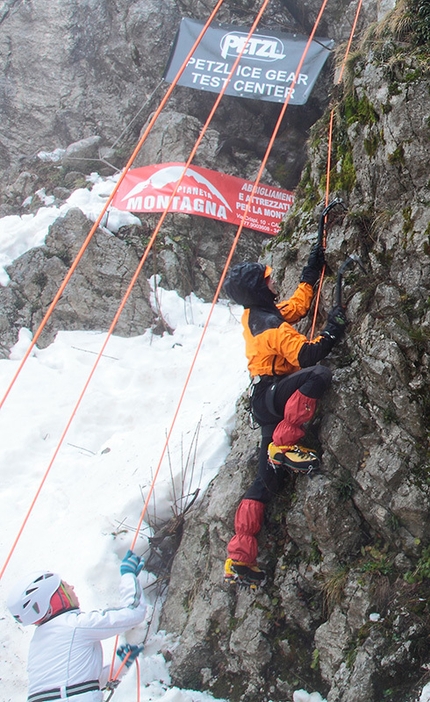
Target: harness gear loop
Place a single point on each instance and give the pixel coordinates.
(270, 399)
(251, 387)
(111, 685)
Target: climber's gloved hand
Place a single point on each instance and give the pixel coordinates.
(336, 323)
(131, 563)
(316, 257)
(134, 652)
(311, 272)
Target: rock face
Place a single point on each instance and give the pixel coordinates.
(347, 553)
(345, 609)
(84, 87)
(73, 70)
(92, 69)
(91, 298)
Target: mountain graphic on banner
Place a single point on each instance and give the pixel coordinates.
(169, 176)
(174, 187)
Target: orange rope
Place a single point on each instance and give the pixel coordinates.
(329, 150)
(142, 261)
(327, 193)
(138, 680)
(224, 273)
(108, 202)
(121, 667)
(112, 665)
(228, 261)
(328, 169)
(351, 36)
(339, 80)
(128, 292)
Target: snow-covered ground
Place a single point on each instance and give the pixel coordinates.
(85, 516)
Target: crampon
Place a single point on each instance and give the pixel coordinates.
(243, 575)
(298, 459)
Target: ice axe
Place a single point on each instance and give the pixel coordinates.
(321, 244)
(348, 263)
(323, 217)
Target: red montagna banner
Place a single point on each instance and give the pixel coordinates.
(205, 193)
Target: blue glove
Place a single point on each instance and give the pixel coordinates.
(131, 564)
(125, 648)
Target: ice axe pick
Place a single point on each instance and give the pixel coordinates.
(323, 217)
(348, 263)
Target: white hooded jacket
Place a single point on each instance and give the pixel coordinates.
(66, 650)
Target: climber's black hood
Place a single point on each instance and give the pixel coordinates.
(245, 284)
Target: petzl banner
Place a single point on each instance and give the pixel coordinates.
(266, 69)
(203, 192)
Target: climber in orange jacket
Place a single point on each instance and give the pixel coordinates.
(287, 382)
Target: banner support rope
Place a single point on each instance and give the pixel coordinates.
(127, 293)
(106, 205)
(227, 264)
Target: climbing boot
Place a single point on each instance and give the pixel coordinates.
(297, 458)
(238, 573)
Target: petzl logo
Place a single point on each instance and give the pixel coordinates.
(260, 48)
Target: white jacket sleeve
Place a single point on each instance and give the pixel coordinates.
(98, 625)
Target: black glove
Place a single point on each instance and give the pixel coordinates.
(311, 272)
(336, 323)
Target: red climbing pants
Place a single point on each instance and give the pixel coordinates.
(247, 523)
(299, 409)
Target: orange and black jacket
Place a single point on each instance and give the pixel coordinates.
(273, 345)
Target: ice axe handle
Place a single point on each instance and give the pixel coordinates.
(338, 296)
(348, 263)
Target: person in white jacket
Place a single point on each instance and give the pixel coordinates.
(66, 657)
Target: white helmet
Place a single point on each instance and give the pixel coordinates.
(30, 598)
